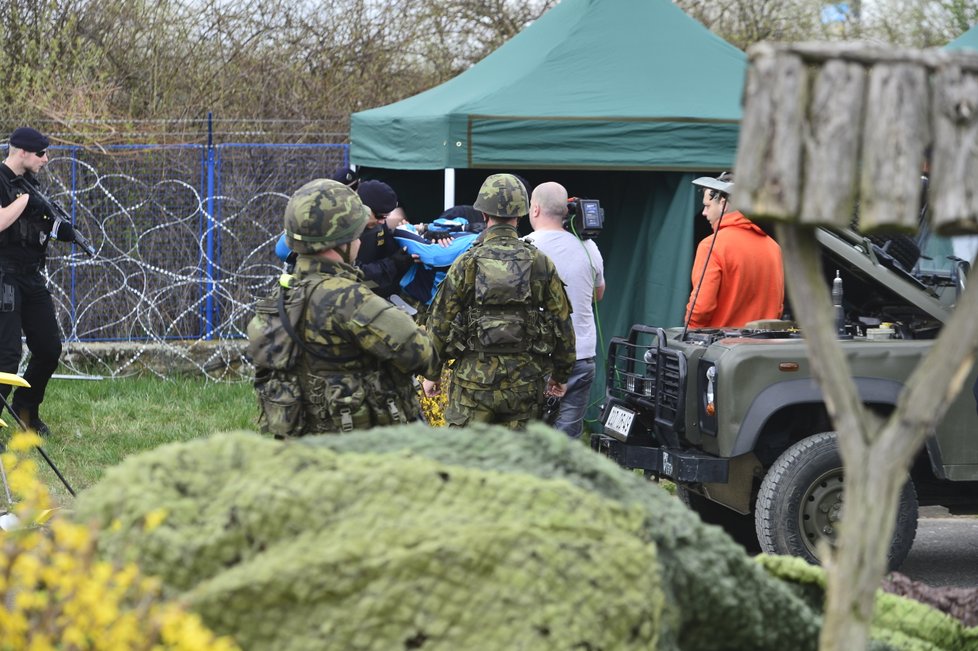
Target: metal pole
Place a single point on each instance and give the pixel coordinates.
(211, 225)
(449, 198)
(74, 212)
(44, 454)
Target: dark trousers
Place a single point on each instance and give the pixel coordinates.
(26, 307)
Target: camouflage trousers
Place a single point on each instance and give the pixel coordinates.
(513, 407)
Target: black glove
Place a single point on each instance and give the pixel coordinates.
(402, 260)
(437, 236)
(63, 231)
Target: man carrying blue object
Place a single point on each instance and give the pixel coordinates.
(381, 259)
(444, 239)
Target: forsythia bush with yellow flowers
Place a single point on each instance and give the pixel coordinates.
(433, 409)
(55, 594)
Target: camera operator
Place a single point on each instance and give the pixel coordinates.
(581, 268)
(25, 302)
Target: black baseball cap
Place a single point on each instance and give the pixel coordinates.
(346, 175)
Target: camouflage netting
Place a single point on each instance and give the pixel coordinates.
(716, 596)
(287, 546)
(412, 537)
(898, 623)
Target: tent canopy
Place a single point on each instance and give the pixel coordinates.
(968, 39)
(624, 101)
(592, 84)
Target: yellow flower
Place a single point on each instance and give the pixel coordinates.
(59, 596)
(71, 536)
(42, 642)
(23, 442)
(154, 519)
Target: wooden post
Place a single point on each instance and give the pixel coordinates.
(832, 145)
(888, 136)
(767, 181)
(954, 186)
(895, 133)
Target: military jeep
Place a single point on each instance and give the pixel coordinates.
(735, 419)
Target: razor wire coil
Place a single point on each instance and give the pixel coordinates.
(185, 238)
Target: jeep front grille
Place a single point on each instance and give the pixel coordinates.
(648, 375)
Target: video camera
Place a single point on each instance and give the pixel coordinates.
(585, 218)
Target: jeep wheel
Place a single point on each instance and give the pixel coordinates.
(739, 527)
(801, 497)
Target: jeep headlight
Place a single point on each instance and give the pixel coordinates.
(707, 379)
(711, 391)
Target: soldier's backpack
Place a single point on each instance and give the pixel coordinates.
(273, 350)
(359, 400)
(274, 346)
(506, 317)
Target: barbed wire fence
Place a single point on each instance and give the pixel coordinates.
(184, 235)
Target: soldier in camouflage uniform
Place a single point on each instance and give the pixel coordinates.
(503, 314)
(357, 354)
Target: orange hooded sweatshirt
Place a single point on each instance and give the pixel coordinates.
(744, 278)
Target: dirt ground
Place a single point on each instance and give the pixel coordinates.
(961, 603)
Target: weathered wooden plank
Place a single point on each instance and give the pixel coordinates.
(831, 161)
(895, 133)
(769, 153)
(818, 52)
(954, 169)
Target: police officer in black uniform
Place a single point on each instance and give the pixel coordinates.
(381, 259)
(25, 302)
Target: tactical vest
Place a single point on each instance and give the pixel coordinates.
(302, 388)
(507, 315)
(30, 230)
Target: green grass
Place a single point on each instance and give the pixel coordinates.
(96, 424)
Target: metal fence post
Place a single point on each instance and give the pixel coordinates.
(209, 267)
(74, 220)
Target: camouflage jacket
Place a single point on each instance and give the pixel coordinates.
(451, 328)
(371, 348)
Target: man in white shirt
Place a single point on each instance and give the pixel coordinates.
(581, 269)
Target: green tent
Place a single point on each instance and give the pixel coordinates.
(624, 101)
(593, 84)
(968, 39)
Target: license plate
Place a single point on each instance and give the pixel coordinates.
(619, 420)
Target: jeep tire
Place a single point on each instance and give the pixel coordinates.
(800, 502)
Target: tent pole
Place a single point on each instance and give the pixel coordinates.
(449, 187)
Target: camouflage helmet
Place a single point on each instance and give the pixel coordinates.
(503, 195)
(323, 214)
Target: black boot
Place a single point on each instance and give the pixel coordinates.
(31, 419)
